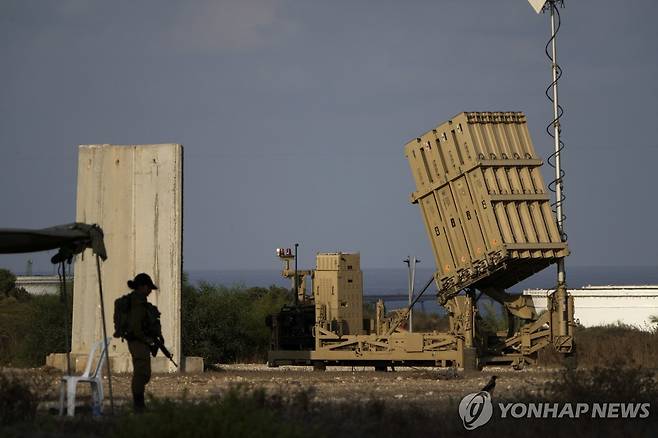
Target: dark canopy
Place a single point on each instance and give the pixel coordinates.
(70, 239)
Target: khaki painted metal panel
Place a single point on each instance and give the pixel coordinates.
(435, 227)
(430, 167)
(454, 161)
(483, 199)
(418, 169)
(437, 161)
(491, 233)
(338, 261)
(471, 225)
(455, 232)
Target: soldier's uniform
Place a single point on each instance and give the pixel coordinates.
(145, 331)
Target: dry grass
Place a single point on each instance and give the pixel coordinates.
(294, 412)
(610, 346)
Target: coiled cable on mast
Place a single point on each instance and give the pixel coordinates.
(556, 123)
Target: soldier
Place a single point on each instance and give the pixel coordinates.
(144, 336)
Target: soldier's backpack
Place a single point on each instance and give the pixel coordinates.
(122, 317)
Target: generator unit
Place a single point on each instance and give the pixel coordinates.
(338, 293)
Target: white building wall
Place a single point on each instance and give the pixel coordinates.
(40, 284)
(603, 305)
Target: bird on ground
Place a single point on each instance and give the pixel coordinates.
(489, 387)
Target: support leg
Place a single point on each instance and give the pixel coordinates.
(62, 396)
(70, 397)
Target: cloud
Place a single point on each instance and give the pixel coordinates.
(229, 25)
(152, 26)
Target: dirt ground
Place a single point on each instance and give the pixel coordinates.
(418, 385)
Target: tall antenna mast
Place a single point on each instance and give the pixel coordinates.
(553, 129)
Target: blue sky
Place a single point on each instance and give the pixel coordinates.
(294, 114)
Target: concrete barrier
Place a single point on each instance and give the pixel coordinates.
(135, 193)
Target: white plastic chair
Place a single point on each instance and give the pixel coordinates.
(68, 385)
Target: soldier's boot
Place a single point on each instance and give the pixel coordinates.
(138, 403)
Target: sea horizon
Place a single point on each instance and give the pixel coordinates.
(394, 280)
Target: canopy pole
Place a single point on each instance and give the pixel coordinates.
(105, 343)
(65, 300)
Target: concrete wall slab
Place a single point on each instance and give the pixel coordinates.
(135, 193)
